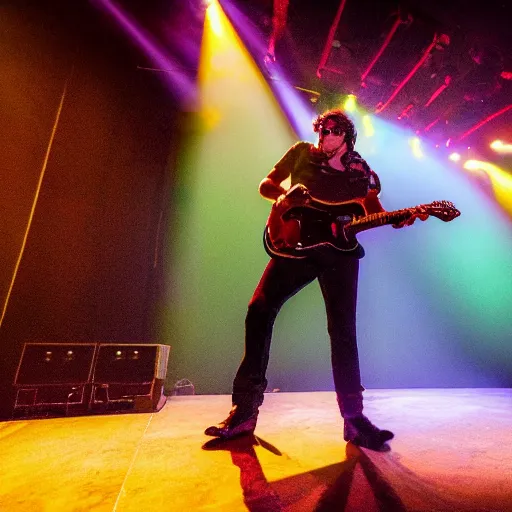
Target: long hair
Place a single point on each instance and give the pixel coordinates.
(341, 120)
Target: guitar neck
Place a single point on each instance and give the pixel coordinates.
(378, 219)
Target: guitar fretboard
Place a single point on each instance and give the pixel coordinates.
(379, 219)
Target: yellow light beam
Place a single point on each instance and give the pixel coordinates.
(501, 181)
(213, 15)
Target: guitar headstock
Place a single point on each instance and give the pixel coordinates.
(443, 210)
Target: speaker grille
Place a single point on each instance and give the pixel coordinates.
(55, 363)
(123, 363)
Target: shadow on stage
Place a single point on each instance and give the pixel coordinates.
(336, 487)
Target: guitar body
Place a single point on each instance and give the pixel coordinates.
(300, 226)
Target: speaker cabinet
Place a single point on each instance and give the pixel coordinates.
(54, 377)
(129, 377)
(88, 378)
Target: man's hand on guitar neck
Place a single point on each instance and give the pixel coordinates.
(409, 221)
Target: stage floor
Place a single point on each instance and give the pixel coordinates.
(452, 452)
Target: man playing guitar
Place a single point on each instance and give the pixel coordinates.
(333, 172)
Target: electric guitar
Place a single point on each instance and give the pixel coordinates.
(300, 225)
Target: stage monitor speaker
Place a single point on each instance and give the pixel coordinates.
(129, 377)
(53, 376)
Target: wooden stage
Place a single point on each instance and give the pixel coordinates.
(452, 452)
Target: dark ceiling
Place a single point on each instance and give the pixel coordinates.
(459, 82)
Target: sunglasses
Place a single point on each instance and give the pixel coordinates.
(335, 131)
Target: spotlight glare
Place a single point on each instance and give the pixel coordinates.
(455, 157)
(213, 15)
(500, 179)
(501, 147)
(350, 103)
(472, 165)
(415, 144)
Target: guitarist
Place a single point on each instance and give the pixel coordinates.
(335, 172)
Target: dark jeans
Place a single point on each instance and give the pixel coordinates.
(282, 279)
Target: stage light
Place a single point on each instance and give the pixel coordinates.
(455, 157)
(500, 179)
(415, 144)
(350, 103)
(214, 17)
(500, 147)
(472, 165)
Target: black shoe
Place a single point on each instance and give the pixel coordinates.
(239, 422)
(362, 432)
